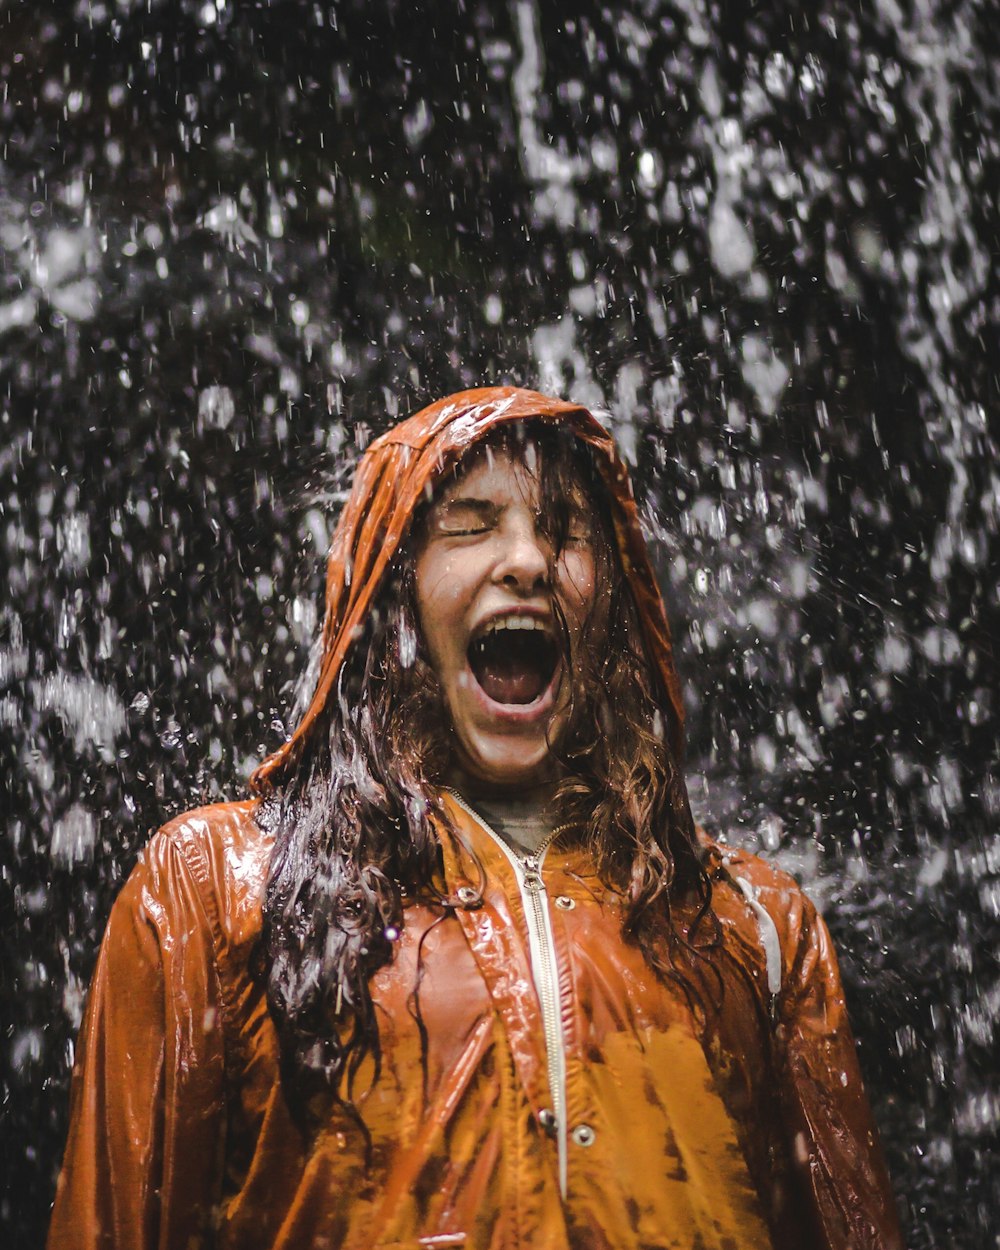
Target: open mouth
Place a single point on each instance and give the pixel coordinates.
(514, 659)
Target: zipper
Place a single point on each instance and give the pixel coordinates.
(544, 969)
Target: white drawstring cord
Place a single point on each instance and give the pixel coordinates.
(768, 936)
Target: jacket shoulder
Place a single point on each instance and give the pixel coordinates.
(770, 883)
(229, 825)
(764, 907)
(227, 854)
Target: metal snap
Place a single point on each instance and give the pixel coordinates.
(565, 903)
(547, 1119)
(466, 894)
(583, 1135)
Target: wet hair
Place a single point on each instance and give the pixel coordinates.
(356, 823)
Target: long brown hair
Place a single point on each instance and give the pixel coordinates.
(355, 824)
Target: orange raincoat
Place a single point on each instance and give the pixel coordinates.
(751, 1131)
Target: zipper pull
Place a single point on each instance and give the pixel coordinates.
(532, 874)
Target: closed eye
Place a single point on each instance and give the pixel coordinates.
(578, 528)
(456, 518)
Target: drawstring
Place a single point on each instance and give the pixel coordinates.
(768, 934)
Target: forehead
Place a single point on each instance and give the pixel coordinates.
(495, 473)
(518, 467)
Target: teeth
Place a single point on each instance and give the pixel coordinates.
(514, 622)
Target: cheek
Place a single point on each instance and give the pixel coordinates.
(428, 581)
(578, 582)
(438, 602)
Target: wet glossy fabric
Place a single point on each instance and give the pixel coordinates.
(748, 1128)
(756, 1133)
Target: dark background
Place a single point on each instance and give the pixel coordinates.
(239, 239)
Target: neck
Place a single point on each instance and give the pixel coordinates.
(521, 815)
(539, 793)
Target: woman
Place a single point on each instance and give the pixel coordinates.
(463, 973)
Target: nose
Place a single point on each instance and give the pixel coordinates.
(524, 562)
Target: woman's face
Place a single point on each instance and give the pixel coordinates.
(486, 595)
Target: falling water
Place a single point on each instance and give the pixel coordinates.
(238, 241)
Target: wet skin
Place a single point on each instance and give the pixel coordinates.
(485, 555)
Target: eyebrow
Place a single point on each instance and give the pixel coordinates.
(465, 503)
(488, 509)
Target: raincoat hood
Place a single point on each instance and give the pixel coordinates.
(393, 478)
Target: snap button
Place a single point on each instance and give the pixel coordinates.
(466, 894)
(547, 1119)
(565, 903)
(583, 1135)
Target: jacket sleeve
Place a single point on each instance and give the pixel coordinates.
(143, 1157)
(831, 1132)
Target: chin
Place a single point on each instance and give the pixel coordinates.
(503, 766)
